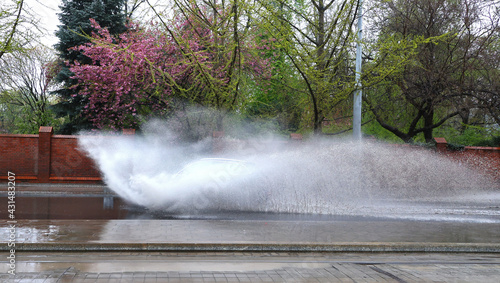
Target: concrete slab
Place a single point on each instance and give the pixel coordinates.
(257, 235)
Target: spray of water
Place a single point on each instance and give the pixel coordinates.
(159, 170)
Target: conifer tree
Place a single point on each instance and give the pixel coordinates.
(75, 25)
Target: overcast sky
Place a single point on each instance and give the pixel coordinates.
(46, 13)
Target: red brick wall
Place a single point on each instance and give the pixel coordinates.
(19, 154)
(55, 159)
(66, 160)
(485, 159)
(46, 158)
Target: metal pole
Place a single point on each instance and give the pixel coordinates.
(356, 116)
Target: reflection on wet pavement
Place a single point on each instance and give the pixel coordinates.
(483, 209)
(103, 218)
(67, 207)
(256, 231)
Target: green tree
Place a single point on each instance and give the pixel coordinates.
(277, 99)
(10, 20)
(223, 31)
(26, 84)
(446, 76)
(317, 37)
(74, 31)
(16, 26)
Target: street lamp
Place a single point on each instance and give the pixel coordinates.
(356, 116)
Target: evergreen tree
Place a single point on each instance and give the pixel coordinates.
(75, 24)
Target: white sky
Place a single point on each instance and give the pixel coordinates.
(46, 13)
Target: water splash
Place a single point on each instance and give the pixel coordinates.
(320, 177)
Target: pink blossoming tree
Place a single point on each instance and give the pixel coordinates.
(147, 71)
(122, 81)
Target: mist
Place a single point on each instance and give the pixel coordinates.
(161, 170)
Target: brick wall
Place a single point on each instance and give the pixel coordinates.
(486, 159)
(67, 162)
(46, 158)
(19, 154)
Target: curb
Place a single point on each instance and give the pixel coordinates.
(261, 247)
(59, 190)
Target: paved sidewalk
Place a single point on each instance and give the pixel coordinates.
(254, 267)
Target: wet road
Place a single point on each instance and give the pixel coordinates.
(257, 235)
(444, 244)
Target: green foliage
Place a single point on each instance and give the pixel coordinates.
(26, 82)
(445, 74)
(23, 119)
(457, 138)
(380, 133)
(16, 27)
(317, 38)
(273, 103)
(471, 135)
(419, 73)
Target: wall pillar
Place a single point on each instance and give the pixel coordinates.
(44, 142)
(128, 132)
(218, 145)
(441, 145)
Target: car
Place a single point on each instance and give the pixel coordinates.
(217, 184)
(216, 168)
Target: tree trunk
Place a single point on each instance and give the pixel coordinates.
(219, 121)
(428, 125)
(465, 115)
(321, 64)
(318, 127)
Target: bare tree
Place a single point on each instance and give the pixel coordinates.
(133, 7)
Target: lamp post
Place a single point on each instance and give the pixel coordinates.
(356, 116)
